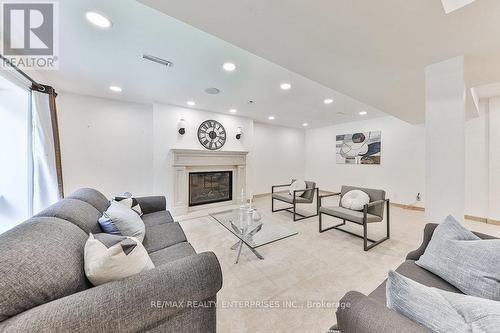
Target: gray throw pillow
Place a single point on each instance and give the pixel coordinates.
(123, 219)
(464, 260)
(441, 311)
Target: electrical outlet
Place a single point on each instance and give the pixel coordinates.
(419, 197)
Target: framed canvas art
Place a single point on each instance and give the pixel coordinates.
(359, 148)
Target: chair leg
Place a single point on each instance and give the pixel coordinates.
(365, 236)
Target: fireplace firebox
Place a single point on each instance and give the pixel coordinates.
(210, 187)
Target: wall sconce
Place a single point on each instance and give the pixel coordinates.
(182, 126)
(239, 133)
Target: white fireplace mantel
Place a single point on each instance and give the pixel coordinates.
(184, 161)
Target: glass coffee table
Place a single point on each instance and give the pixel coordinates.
(250, 232)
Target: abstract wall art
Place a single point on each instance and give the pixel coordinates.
(359, 148)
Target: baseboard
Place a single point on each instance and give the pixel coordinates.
(408, 207)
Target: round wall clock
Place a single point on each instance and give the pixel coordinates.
(211, 134)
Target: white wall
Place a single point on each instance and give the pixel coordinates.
(445, 140)
(105, 144)
(278, 156)
(166, 137)
(494, 158)
(14, 110)
(401, 172)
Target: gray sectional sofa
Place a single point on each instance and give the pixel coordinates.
(43, 287)
(369, 314)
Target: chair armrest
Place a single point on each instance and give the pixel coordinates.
(132, 304)
(278, 186)
(152, 204)
(428, 231)
(377, 202)
(361, 314)
(326, 196)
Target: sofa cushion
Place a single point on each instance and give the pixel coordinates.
(163, 235)
(92, 197)
(41, 260)
(174, 252)
(77, 212)
(348, 214)
(441, 311)
(464, 260)
(126, 220)
(156, 218)
(111, 257)
(418, 274)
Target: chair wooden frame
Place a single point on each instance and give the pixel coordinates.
(293, 209)
(365, 238)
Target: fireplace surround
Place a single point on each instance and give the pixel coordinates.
(187, 161)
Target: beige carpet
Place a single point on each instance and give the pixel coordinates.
(302, 277)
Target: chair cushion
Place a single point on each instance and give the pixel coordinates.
(375, 195)
(418, 274)
(156, 218)
(77, 212)
(288, 198)
(174, 252)
(348, 214)
(463, 259)
(92, 197)
(441, 311)
(163, 235)
(110, 258)
(355, 200)
(41, 261)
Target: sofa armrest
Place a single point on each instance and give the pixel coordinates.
(428, 231)
(132, 304)
(152, 204)
(358, 313)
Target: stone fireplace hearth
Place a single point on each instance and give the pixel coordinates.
(217, 178)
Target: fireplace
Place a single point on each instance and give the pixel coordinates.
(210, 187)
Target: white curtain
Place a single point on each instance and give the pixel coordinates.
(45, 189)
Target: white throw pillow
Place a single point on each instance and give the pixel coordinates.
(130, 203)
(126, 220)
(355, 200)
(110, 257)
(297, 185)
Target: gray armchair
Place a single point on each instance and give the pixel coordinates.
(372, 212)
(305, 198)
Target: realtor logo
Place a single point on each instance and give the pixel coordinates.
(30, 33)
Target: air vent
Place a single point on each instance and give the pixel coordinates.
(158, 60)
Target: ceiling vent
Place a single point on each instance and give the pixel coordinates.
(212, 91)
(158, 60)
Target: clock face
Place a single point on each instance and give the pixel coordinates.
(212, 134)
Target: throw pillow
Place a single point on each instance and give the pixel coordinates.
(355, 200)
(119, 219)
(464, 260)
(130, 203)
(441, 311)
(110, 257)
(297, 185)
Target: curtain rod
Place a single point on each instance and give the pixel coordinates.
(26, 76)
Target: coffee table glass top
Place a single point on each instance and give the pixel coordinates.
(253, 233)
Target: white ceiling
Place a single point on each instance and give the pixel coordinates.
(372, 50)
(92, 59)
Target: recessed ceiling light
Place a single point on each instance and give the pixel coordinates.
(305, 124)
(115, 89)
(191, 103)
(328, 101)
(229, 66)
(98, 20)
(233, 110)
(270, 117)
(285, 86)
(362, 113)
